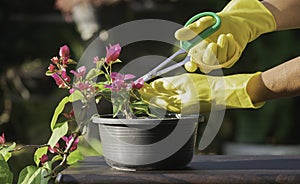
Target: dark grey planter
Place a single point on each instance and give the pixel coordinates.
(147, 144)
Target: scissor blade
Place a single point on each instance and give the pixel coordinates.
(155, 71)
(173, 67)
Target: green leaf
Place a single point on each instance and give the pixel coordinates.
(98, 99)
(6, 176)
(71, 61)
(75, 96)
(139, 103)
(60, 107)
(74, 157)
(38, 154)
(33, 175)
(26, 173)
(100, 85)
(93, 73)
(117, 107)
(48, 165)
(100, 63)
(117, 61)
(60, 130)
(49, 73)
(56, 158)
(106, 93)
(5, 152)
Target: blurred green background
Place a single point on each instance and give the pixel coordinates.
(32, 32)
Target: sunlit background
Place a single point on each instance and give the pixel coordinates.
(33, 30)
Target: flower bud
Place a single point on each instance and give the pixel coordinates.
(51, 68)
(64, 51)
(2, 139)
(55, 60)
(112, 53)
(44, 159)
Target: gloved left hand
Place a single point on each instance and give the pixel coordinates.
(194, 93)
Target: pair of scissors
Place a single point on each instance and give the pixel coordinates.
(185, 47)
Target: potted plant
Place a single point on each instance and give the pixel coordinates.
(133, 137)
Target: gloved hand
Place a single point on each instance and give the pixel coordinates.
(242, 21)
(194, 93)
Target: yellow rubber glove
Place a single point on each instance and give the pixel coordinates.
(193, 93)
(242, 21)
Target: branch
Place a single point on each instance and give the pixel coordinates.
(29, 146)
(63, 164)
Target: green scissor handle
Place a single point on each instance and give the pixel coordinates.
(187, 45)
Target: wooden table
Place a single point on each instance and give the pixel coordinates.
(203, 169)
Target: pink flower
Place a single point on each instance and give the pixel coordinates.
(61, 79)
(54, 149)
(138, 84)
(58, 80)
(44, 159)
(55, 60)
(65, 76)
(72, 90)
(2, 139)
(64, 53)
(83, 87)
(80, 71)
(119, 82)
(68, 139)
(69, 115)
(112, 53)
(52, 68)
(96, 59)
(119, 76)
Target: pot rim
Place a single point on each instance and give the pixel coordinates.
(107, 119)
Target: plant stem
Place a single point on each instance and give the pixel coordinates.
(29, 146)
(127, 110)
(63, 164)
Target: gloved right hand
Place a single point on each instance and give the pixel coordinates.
(242, 21)
(193, 93)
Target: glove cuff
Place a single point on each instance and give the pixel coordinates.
(266, 23)
(235, 95)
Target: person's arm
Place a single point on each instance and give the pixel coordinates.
(285, 12)
(280, 81)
